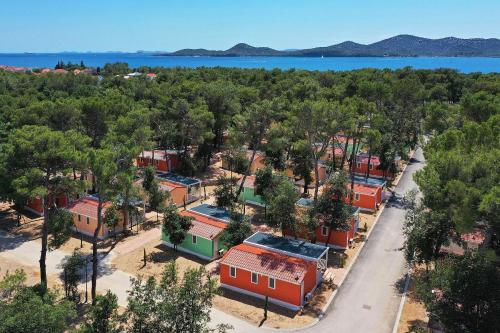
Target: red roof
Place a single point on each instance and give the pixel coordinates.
(249, 182)
(476, 237)
(204, 219)
(204, 230)
(159, 154)
(363, 189)
(275, 265)
(87, 207)
(170, 184)
(151, 75)
(363, 158)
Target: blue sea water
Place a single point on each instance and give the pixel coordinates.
(462, 64)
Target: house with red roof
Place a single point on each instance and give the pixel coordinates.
(366, 197)
(162, 160)
(285, 270)
(361, 167)
(203, 238)
(84, 212)
(35, 205)
(337, 239)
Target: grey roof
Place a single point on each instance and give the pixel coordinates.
(212, 211)
(292, 247)
(369, 181)
(305, 202)
(174, 178)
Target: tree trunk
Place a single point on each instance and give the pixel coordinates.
(344, 153)
(369, 163)
(329, 235)
(126, 205)
(316, 180)
(94, 249)
(247, 172)
(45, 237)
(334, 162)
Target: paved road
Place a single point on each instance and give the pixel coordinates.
(369, 298)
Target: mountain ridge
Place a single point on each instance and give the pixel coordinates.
(400, 45)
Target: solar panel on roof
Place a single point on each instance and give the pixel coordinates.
(212, 211)
(305, 202)
(369, 181)
(177, 178)
(290, 246)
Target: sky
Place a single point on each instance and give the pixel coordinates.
(169, 25)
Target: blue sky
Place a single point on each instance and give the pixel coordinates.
(130, 25)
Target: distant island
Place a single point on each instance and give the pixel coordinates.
(397, 46)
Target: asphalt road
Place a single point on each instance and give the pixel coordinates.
(369, 298)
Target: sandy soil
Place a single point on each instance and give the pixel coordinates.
(32, 273)
(31, 224)
(414, 313)
(157, 255)
(251, 309)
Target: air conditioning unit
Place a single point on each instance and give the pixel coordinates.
(221, 252)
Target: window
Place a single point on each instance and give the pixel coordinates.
(195, 239)
(324, 231)
(271, 283)
(356, 196)
(79, 218)
(255, 278)
(358, 165)
(371, 166)
(88, 220)
(232, 271)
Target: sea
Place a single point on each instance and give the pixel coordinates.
(134, 60)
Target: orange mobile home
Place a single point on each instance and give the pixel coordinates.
(35, 205)
(286, 270)
(84, 212)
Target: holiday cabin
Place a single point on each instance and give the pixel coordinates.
(258, 161)
(248, 194)
(337, 239)
(84, 212)
(163, 160)
(35, 205)
(366, 197)
(361, 167)
(203, 238)
(286, 270)
(183, 190)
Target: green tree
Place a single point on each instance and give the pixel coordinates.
(175, 225)
(236, 232)
(302, 162)
(331, 208)
(281, 206)
(224, 193)
(263, 180)
(463, 294)
(112, 217)
(38, 162)
(72, 267)
(31, 309)
(172, 304)
(157, 197)
(103, 315)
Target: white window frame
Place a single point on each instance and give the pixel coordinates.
(194, 239)
(357, 196)
(324, 230)
(256, 278)
(231, 268)
(269, 283)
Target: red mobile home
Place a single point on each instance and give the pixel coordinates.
(337, 239)
(361, 167)
(164, 160)
(35, 205)
(286, 270)
(366, 197)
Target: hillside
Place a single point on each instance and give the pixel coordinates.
(401, 45)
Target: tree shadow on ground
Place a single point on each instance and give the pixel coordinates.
(168, 254)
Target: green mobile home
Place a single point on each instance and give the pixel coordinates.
(203, 238)
(248, 194)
